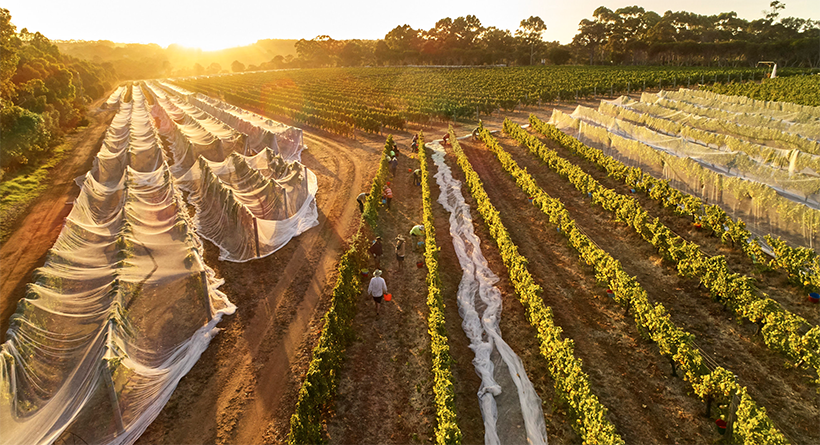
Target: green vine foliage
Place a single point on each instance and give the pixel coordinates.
(320, 383)
(782, 330)
(571, 382)
(799, 263)
(447, 430)
(652, 321)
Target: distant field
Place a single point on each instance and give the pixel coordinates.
(803, 90)
(342, 99)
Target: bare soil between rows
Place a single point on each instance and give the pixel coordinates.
(244, 387)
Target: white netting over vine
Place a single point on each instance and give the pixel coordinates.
(786, 111)
(681, 101)
(765, 209)
(261, 132)
(192, 132)
(777, 169)
(249, 206)
(795, 160)
(656, 105)
(122, 308)
(506, 396)
(115, 97)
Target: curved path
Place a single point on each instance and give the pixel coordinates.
(27, 246)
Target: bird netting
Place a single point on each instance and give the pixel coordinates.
(121, 310)
(680, 101)
(656, 105)
(777, 169)
(115, 97)
(261, 132)
(249, 206)
(786, 111)
(506, 396)
(765, 209)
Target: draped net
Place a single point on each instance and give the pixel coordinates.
(122, 308)
(249, 206)
(766, 206)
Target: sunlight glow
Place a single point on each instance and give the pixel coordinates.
(212, 25)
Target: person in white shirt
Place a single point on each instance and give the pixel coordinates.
(377, 288)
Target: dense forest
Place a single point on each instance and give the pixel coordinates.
(43, 94)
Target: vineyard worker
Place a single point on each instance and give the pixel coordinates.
(361, 199)
(376, 250)
(394, 165)
(417, 176)
(387, 194)
(377, 288)
(401, 247)
(395, 147)
(417, 234)
(446, 139)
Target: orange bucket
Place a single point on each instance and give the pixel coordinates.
(388, 297)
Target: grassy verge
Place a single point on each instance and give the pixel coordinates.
(18, 193)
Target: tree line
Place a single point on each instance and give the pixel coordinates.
(43, 94)
(625, 36)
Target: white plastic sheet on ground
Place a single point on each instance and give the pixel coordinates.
(121, 310)
(506, 396)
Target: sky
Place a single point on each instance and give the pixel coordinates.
(212, 25)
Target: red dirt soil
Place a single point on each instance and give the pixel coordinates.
(244, 387)
(26, 247)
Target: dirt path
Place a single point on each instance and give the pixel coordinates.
(385, 385)
(243, 388)
(732, 345)
(26, 248)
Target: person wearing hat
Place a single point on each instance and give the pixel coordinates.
(377, 288)
(401, 247)
(394, 165)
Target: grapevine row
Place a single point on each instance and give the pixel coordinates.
(753, 425)
(571, 382)
(781, 329)
(319, 385)
(447, 430)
